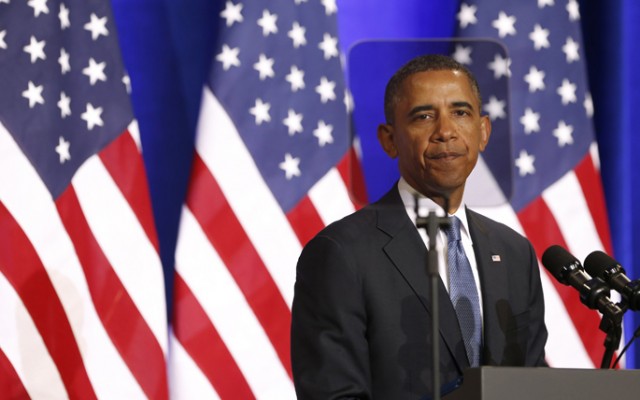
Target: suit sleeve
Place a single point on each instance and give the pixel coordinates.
(537, 329)
(329, 349)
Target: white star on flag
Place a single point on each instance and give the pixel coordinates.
(323, 133)
(326, 89)
(330, 6)
(261, 111)
(574, 10)
(93, 116)
(63, 60)
(229, 57)
(540, 37)
(232, 13)
(293, 122)
(535, 79)
(564, 134)
(543, 3)
(97, 26)
(63, 15)
(329, 46)
(127, 83)
(3, 44)
(525, 163)
(295, 78)
(495, 108)
(467, 15)
(268, 23)
(35, 49)
(39, 7)
(64, 104)
(588, 105)
(500, 66)
(264, 66)
(34, 94)
(297, 35)
(291, 166)
(571, 49)
(505, 25)
(531, 121)
(95, 71)
(567, 92)
(462, 54)
(63, 150)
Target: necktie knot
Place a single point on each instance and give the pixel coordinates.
(453, 230)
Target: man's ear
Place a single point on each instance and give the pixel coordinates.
(485, 131)
(385, 137)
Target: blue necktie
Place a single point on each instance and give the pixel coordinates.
(464, 294)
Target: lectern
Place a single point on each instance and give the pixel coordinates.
(509, 383)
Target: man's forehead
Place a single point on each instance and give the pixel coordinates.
(420, 83)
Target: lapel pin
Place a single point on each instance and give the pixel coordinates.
(495, 258)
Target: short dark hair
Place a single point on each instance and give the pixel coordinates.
(429, 62)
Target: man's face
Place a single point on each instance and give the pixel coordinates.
(437, 132)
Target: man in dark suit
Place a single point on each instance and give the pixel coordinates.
(361, 311)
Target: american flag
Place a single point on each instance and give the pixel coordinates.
(557, 196)
(82, 302)
(271, 168)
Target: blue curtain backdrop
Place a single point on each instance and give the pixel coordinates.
(167, 47)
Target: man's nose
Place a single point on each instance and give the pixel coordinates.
(445, 129)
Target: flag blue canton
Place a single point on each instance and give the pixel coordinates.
(550, 107)
(277, 73)
(62, 95)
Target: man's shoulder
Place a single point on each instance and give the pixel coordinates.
(367, 220)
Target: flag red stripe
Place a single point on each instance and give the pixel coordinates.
(201, 340)
(11, 386)
(350, 170)
(121, 319)
(305, 220)
(126, 167)
(222, 228)
(26, 273)
(542, 230)
(591, 184)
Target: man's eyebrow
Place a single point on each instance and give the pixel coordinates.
(429, 107)
(462, 104)
(417, 109)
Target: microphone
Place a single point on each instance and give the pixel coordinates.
(594, 293)
(601, 265)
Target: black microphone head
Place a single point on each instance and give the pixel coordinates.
(598, 264)
(559, 262)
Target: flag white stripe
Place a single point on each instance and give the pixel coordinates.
(135, 134)
(22, 344)
(27, 199)
(221, 148)
(203, 271)
(124, 242)
(186, 380)
(330, 197)
(571, 212)
(564, 346)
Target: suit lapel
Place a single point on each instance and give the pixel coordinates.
(407, 252)
(491, 260)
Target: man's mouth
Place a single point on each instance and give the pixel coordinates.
(445, 155)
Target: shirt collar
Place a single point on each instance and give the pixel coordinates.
(408, 195)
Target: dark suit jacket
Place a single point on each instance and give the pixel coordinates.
(361, 311)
